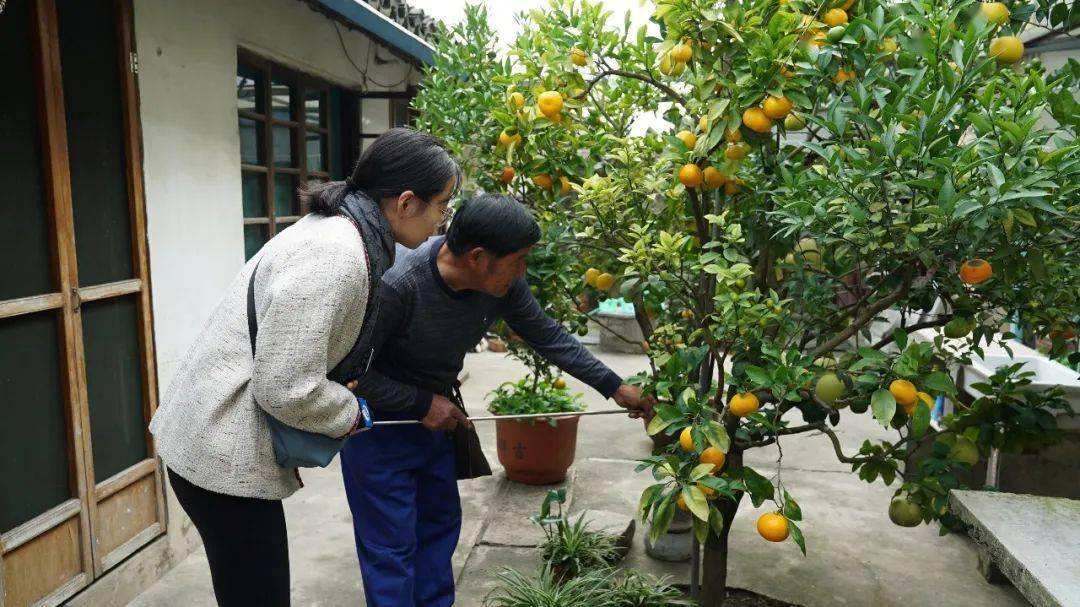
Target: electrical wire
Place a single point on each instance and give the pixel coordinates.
(364, 71)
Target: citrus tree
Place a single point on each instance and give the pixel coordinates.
(766, 180)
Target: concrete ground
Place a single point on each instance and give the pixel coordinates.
(855, 555)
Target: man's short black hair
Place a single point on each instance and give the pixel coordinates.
(497, 224)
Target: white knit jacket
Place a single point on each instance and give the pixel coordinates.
(311, 291)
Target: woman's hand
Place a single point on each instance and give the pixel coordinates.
(352, 385)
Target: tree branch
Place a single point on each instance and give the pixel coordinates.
(926, 324)
(899, 292)
(670, 92)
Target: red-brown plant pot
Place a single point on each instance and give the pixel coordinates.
(534, 452)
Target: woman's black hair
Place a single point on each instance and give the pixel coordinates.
(400, 159)
(497, 224)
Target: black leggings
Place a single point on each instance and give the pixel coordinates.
(245, 542)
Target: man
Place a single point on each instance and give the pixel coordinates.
(436, 303)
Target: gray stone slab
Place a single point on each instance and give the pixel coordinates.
(1033, 540)
(509, 523)
(620, 526)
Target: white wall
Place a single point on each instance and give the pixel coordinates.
(187, 85)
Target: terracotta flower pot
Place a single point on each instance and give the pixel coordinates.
(536, 453)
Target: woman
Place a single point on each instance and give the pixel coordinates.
(312, 285)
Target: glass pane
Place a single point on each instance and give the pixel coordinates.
(24, 213)
(254, 239)
(281, 225)
(114, 384)
(374, 116)
(254, 194)
(314, 102)
(283, 146)
(400, 111)
(95, 131)
(281, 94)
(251, 149)
(365, 143)
(285, 199)
(34, 458)
(249, 87)
(316, 160)
(337, 141)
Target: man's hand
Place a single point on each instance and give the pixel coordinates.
(631, 398)
(443, 415)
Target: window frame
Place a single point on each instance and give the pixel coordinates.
(301, 84)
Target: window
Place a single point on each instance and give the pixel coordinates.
(379, 112)
(284, 120)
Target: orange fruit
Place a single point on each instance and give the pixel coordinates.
(773, 527)
(516, 100)
(550, 103)
(975, 271)
(714, 456)
(731, 186)
(689, 139)
(605, 281)
(709, 492)
(733, 136)
(703, 124)
(686, 440)
(681, 503)
(543, 180)
(682, 53)
(995, 12)
(507, 175)
(904, 392)
(777, 107)
(756, 120)
(834, 17)
(888, 45)
(506, 139)
(743, 404)
(564, 185)
(690, 175)
(843, 76)
(736, 151)
(1007, 49)
(786, 72)
(578, 57)
(559, 383)
(591, 275)
(713, 178)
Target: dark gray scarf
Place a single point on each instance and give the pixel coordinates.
(379, 244)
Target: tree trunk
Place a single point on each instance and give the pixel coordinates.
(715, 564)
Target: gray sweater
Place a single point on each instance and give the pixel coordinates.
(310, 294)
(425, 328)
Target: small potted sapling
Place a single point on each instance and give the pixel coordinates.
(536, 451)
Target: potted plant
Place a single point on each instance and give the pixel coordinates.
(536, 451)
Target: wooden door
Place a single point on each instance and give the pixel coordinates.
(80, 489)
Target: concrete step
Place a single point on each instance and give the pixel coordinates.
(1032, 541)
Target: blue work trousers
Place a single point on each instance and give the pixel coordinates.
(402, 490)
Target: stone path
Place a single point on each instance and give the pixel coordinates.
(856, 556)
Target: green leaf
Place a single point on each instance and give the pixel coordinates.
(657, 425)
(884, 406)
(797, 536)
(758, 376)
(921, 420)
(700, 471)
(717, 435)
(665, 512)
(701, 530)
(696, 502)
(760, 488)
(939, 381)
(791, 508)
(647, 497)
